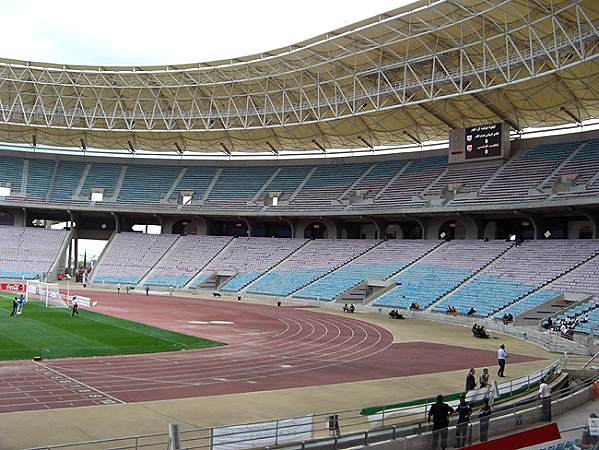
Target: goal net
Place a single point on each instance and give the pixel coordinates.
(48, 293)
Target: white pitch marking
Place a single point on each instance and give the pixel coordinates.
(220, 322)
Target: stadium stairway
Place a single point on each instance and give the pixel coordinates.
(61, 253)
(198, 278)
(392, 181)
(368, 301)
(555, 171)
(501, 310)
(469, 279)
(102, 253)
(249, 283)
(320, 276)
(363, 285)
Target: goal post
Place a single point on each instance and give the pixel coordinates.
(47, 293)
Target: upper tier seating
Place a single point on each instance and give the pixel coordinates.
(287, 180)
(101, 176)
(312, 261)
(137, 189)
(381, 174)
(585, 164)
(67, 176)
(328, 183)
(519, 272)
(523, 172)
(249, 258)
(11, 172)
(237, 185)
(196, 180)
(380, 263)
(439, 272)
(395, 183)
(27, 252)
(415, 178)
(39, 176)
(129, 256)
(187, 256)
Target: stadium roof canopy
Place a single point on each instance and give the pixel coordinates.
(405, 76)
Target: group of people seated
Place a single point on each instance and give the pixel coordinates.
(349, 309)
(565, 327)
(394, 314)
(507, 318)
(452, 311)
(415, 306)
(479, 331)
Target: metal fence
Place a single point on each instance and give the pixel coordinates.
(335, 429)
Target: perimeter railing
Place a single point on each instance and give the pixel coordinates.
(337, 429)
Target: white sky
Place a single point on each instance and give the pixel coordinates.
(167, 32)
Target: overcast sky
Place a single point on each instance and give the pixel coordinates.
(167, 32)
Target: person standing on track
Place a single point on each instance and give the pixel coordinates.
(118, 288)
(147, 290)
(501, 357)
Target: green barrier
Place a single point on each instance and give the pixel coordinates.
(448, 398)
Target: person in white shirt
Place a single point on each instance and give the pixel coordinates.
(501, 357)
(545, 394)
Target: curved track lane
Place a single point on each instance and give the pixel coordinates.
(268, 348)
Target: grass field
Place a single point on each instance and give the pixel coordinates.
(52, 333)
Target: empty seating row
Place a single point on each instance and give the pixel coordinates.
(28, 252)
(380, 263)
(528, 176)
(310, 262)
(440, 272)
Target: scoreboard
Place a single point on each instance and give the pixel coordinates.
(488, 141)
(483, 141)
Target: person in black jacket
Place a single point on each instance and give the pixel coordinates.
(470, 380)
(439, 413)
(464, 411)
(483, 416)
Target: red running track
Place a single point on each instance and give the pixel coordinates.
(268, 348)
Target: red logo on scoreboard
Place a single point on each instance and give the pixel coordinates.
(469, 148)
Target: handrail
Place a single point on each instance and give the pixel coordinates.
(313, 427)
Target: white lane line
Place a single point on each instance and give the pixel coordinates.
(112, 397)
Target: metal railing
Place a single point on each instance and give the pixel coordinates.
(336, 429)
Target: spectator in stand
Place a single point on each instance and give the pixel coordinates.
(484, 378)
(501, 357)
(483, 416)
(464, 412)
(439, 413)
(588, 440)
(472, 311)
(470, 380)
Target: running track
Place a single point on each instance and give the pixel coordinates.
(268, 348)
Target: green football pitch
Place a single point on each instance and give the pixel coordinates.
(53, 333)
